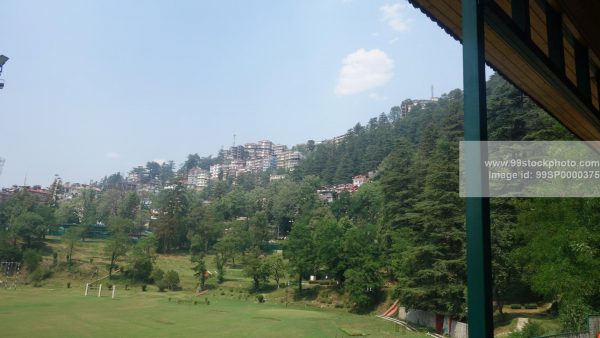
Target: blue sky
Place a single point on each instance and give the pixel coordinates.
(96, 87)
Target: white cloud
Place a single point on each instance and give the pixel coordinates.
(112, 155)
(363, 70)
(394, 16)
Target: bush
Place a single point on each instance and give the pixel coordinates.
(31, 259)
(530, 330)
(162, 285)
(171, 279)
(573, 315)
(516, 306)
(68, 285)
(157, 275)
(260, 298)
(531, 306)
(141, 269)
(10, 254)
(144, 287)
(39, 275)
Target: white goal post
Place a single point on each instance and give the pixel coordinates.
(89, 287)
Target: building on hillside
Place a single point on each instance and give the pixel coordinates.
(197, 178)
(217, 170)
(279, 149)
(264, 149)
(359, 180)
(407, 105)
(275, 177)
(251, 150)
(289, 160)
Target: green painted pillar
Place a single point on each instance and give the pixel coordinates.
(479, 281)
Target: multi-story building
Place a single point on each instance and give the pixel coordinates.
(279, 149)
(407, 105)
(217, 170)
(289, 160)
(251, 150)
(264, 149)
(197, 178)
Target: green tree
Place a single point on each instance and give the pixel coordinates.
(300, 250)
(71, 238)
(200, 270)
(171, 228)
(220, 260)
(29, 227)
(278, 267)
(256, 267)
(116, 247)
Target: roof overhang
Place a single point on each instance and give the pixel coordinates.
(548, 49)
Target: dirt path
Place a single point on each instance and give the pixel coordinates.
(521, 322)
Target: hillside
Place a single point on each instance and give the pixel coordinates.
(399, 236)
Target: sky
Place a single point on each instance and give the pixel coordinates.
(98, 87)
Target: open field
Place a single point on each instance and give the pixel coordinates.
(62, 312)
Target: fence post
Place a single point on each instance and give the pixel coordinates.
(113, 291)
(87, 285)
(99, 290)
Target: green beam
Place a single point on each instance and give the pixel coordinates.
(582, 70)
(479, 285)
(556, 50)
(520, 15)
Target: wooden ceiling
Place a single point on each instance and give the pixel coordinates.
(568, 89)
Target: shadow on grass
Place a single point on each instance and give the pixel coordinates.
(306, 294)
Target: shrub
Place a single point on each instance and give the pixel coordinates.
(39, 275)
(10, 254)
(171, 279)
(516, 306)
(157, 275)
(68, 285)
(573, 315)
(260, 298)
(141, 269)
(162, 285)
(144, 286)
(31, 259)
(531, 306)
(339, 305)
(530, 330)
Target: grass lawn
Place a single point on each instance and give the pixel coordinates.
(62, 312)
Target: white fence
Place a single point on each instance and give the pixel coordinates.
(440, 323)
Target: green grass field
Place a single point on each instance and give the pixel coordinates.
(62, 312)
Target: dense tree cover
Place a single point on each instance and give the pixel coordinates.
(403, 229)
